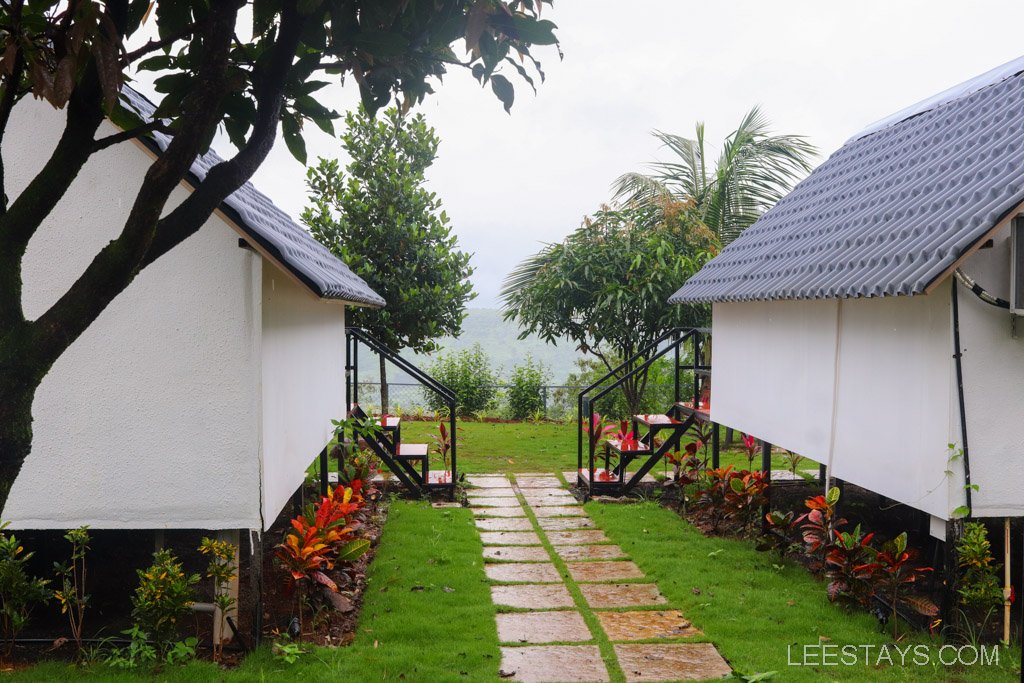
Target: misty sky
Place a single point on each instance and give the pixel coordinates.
(821, 69)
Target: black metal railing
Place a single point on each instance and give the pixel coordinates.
(671, 341)
(355, 336)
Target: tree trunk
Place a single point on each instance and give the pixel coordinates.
(383, 385)
(15, 431)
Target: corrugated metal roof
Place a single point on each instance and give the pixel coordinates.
(273, 230)
(887, 214)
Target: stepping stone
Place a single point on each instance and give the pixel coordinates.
(589, 552)
(445, 504)
(560, 511)
(551, 500)
(504, 524)
(494, 502)
(516, 553)
(499, 512)
(622, 594)
(581, 537)
(604, 571)
(542, 627)
(564, 523)
(553, 664)
(491, 493)
(523, 572)
(488, 482)
(509, 538)
(532, 596)
(671, 662)
(646, 625)
(533, 475)
(538, 482)
(546, 493)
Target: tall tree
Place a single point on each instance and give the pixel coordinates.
(606, 286)
(753, 171)
(390, 229)
(213, 69)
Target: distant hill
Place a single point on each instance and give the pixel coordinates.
(500, 341)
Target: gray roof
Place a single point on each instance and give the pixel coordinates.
(272, 229)
(891, 212)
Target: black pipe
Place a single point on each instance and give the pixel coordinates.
(958, 356)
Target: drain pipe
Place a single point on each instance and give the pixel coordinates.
(958, 358)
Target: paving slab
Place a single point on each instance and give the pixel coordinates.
(589, 572)
(494, 502)
(582, 537)
(646, 625)
(509, 538)
(538, 482)
(491, 493)
(504, 523)
(488, 482)
(559, 511)
(671, 662)
(564, 523)
(542, 627)
(553, 664)
(445, 504)
(499, 512)
(516, 553)
(551, 501)
(523, 572)
(589, 552)
(532, 596)
(621, 594)
(547, 493)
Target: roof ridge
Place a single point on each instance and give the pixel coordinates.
(995, 76)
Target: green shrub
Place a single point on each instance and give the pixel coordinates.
(19, 590)
(469, 374)
(657, 398)
(524, 393)
(979, 584)
(164, 595)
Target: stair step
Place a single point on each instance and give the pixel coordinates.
(660, 421)
(703, 413)
(411, 451)
(635, 447)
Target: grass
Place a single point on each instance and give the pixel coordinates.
(533, 447)
(753, 608)
(428, 616)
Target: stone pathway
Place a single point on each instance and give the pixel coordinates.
(573, 602)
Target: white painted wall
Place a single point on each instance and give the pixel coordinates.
(303, 383)
(775, 377)
(993, 365)
(151, 418)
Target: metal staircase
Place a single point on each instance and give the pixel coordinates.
(652, 436)
(409, 462)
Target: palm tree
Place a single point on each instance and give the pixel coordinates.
(754, 170)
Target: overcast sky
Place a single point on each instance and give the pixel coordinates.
(821, 69)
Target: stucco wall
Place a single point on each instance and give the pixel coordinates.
(775, 377)
(303, 383)
(151, 418)
(993, 363)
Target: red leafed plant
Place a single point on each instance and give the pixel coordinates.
(320, 538)
(596, 428)
(818, 524)
(711, 497)
(750, 448)
(896, 574)
(851, 573)
(746, 495)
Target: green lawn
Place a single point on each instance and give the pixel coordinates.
(428, 616)
(753, 609)
(533, 447)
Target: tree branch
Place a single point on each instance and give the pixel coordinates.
(116, 265)
(226, 177)
(130, 134)
(154, 45)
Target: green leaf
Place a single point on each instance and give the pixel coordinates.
(961, 512)
(504, 90)
(832, 497)
(353, 550)
(293, 137)
(381, 44)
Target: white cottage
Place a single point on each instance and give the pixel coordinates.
(840, 316)
(199, 397)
